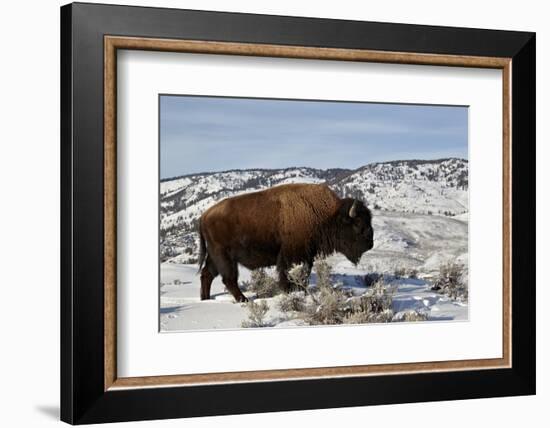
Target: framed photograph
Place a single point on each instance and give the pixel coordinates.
(266, 213)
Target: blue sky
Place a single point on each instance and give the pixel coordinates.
(201, 134)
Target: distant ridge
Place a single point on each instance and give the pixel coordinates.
(392, 162)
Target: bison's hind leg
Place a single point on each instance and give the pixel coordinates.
(219, 262)
(229, 271)
(208, 273)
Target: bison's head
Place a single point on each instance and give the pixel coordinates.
(355, 234)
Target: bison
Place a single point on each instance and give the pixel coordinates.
(284, 225)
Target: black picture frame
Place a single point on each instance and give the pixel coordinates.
(83, 398)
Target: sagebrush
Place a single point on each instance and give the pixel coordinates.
(298, 277)
(256, 314)
(292, 302)
(452, 281)
(262, 283)
(328, 302)
(410, 316)
(323, 270)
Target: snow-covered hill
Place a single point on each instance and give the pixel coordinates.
(430, 187)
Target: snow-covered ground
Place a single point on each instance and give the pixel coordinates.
(402, 240)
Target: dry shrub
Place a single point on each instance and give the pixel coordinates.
(375, 306)
(400, 272)
(263, 284)
(333, 305)
(323, 270)
(365, 317)
(405, 272)
(330, 307)
(256, 314)
(298, 276)
(410, 316)
(412, 273)
(376, 300)
(451, 281)
(292, 302)
(328, 303)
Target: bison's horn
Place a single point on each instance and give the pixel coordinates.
(353, 210)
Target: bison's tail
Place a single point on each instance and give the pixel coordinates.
(202, 248)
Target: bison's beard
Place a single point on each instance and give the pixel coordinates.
(354, 254)
(354, 258)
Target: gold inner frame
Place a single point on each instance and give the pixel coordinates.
(113, 43)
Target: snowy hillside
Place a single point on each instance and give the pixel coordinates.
(428, 187)
(435, 187)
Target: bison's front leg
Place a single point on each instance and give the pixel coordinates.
(282, 269)
(233, 288)
(284, 283)
(308, 266)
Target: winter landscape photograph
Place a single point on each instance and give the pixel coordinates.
(298, 213)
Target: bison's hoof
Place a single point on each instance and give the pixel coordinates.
(242, 299)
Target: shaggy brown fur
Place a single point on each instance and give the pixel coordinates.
(279, 226)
